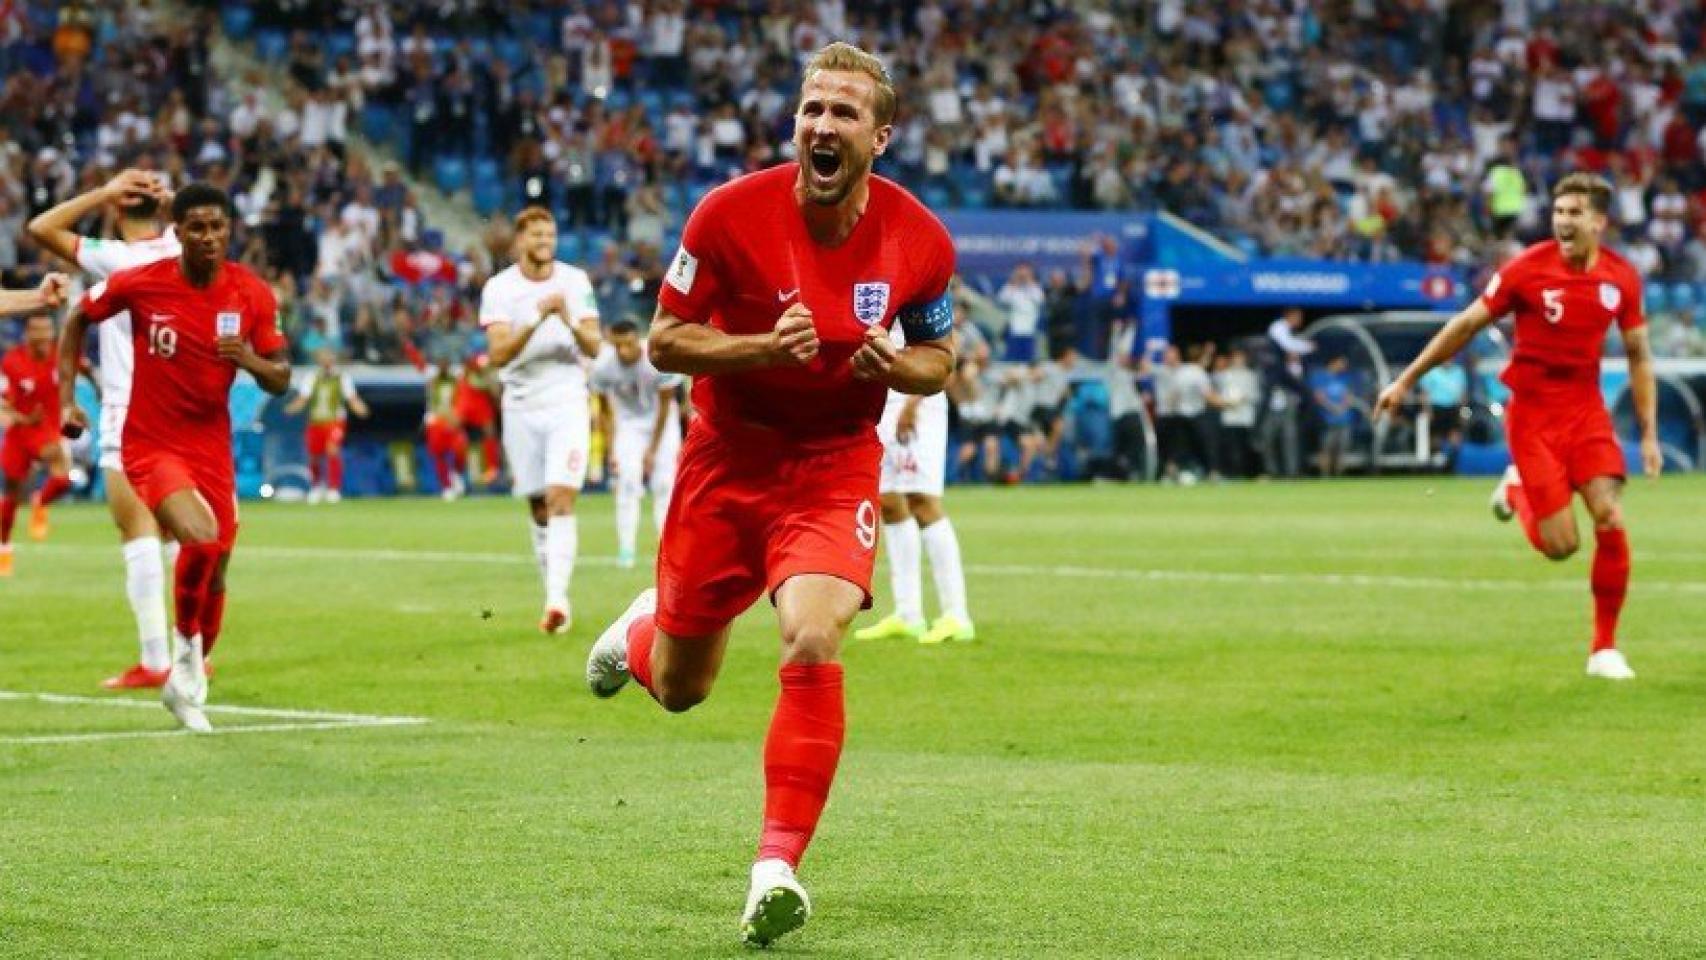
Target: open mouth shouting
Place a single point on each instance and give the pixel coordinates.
(826, 163)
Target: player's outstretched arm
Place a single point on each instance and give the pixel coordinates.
(698, 349)
(53, 228)
(48, 295)
(1453, 337)
(1638, 345)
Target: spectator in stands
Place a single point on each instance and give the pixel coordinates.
(1023, 299)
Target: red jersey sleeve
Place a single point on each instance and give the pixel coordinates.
(1631, 317)
(1500, 295)
(264, 336)
(107, 298)
(929, 314)
(697, 275)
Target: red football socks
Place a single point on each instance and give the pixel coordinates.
(1519, 502)
(1610, 581)
(800, 756)
(641, 633)
(196, 565)
(52, 490)
(8, 516)
(212, 618)
(334, 471)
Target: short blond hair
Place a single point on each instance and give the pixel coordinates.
(1589, 185)
(845, 57)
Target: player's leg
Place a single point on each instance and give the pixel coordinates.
(335, 463)
(802, 748)
(628, 452)
(315, 441)
(187, 515)
(1541, 498)
(213, 617)
(14, 470)
(566, 441)
(1611, 565)
(902, 547)
(57, 460)
(942, 546)
(144, 581)
(662, 479)
(527, 479)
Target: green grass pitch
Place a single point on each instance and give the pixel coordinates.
(1268, 720)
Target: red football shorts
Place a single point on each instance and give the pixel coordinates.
(1558, 447)
(322, 437)
(744, 519)
(21, 448)
(156, 475)
(441, 437)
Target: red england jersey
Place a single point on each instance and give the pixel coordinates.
(32, 385)
(180, 400)
(1562, 317)
(746, 256)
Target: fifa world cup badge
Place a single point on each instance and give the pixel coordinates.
(228, 323)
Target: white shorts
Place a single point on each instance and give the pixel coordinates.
(920, 464)
(546, 447)
(112, 436)
(628, 450)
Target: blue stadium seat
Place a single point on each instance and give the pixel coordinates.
(508, 49)
(1700, 292)
(697, 193)
(489, 194)
(378, 121)
(338, 43)
(237, 20)
(652, 100)
(1658, 298)
(934, 196)
(487, 168)
(569, 247)
(1700, 317)
(974, 196)
(271, 45)
(450, 173)
(1682, 296)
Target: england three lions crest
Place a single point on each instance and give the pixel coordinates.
(870, 302)
(1610, 297)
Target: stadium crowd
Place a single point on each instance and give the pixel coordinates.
(1345, 130)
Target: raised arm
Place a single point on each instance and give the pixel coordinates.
(1637, 344)
(1453, 337)
(53, 229)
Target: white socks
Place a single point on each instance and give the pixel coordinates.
(905, 578)
(627, 515)
(944, 549)
(145, 585)
(562, 539)
(538, 545)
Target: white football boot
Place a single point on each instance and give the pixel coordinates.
(1501, 502)
(1610, 665)
(775, 905)
(185, 692)
(607, 662)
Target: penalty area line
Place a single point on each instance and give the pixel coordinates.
(286, 720)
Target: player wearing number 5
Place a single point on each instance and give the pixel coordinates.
(541, 318)
(1566, 292)
(196, 319)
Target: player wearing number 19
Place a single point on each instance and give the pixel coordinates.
(1566, 292)
(196, 319)
(779, 304)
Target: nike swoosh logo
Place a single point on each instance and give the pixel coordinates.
(785, 297)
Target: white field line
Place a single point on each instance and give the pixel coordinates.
(297, 719)
(1063, 571)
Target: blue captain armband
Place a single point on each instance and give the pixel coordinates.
(928, 321)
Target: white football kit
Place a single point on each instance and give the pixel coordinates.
(918, 464)
(101, 259)
(633, 393)
(546, 432)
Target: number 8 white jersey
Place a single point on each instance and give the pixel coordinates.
(548, 372)
(101, 259)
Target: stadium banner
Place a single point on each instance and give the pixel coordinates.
(1320, 284)
(992, 242)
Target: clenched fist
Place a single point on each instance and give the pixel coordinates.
(875, 356)
(794, 341)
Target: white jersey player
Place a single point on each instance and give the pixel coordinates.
(139, 198)
(541, 318)
(914, 432)
(645, 435)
